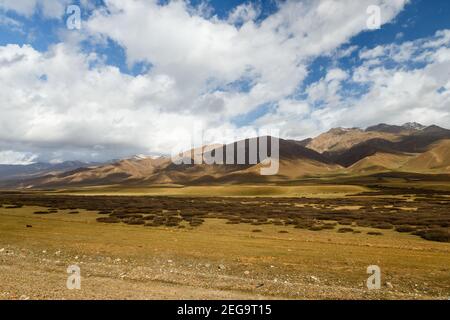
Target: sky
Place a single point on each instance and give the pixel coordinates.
(142, 76)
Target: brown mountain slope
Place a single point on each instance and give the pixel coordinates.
(414, 149)
(417, 141)
(341, 139)
(289, 169)
(380, 162)
(295, 161)
(118, 172)
(436, 159)
(346, 146)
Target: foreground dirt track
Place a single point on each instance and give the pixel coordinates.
(214, 260)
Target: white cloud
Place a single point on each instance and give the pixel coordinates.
(327, 89)
(415, 88)
(244, 13)
(407, 92)
(11, 23)
(195, 51)
(49, 8)
(18, 158)
(65, 102)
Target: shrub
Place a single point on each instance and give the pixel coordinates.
(135, 221)
(328, 226)
(440, 235)
(108, 220)
(363, 223)
(41, 212)
(256, 230)
(195, 223)
(374, 233)
(345, 230)
(14, 206)
(419, 232)
(383, 225)
(304, 224)
(405, 228)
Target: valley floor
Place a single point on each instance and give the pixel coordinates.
(213, 261)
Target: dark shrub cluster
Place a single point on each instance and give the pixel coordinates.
(428, 216)
(405, 228)
(374, 233)
(440, 235)
(345, 230)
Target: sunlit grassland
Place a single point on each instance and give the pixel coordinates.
(406, 261)
(316, 191)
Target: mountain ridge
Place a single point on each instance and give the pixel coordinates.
(379, 148)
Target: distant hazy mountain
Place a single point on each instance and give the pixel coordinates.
(411, 147)
(8, 172)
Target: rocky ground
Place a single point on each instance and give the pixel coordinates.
(27, 274)
(213, 261)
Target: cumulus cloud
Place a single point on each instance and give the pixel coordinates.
(415, 89)
(327, 89)
(11, 23)
(196, 51)
(244, 13)
(17, 158)
(205, 72)
(49, 8)
(403, 82)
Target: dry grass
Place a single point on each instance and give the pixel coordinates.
(417, 268)
(318, 191)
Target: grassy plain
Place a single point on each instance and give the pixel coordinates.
(214, 260)
(224, 191)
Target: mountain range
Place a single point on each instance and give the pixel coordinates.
(411, 147)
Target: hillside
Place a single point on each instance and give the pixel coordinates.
(341, 139)
(382, 148)
(380, 162)
(436, 159)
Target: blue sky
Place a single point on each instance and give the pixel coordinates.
(300, 67)
(420, 18)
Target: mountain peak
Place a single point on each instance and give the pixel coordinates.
(413, 126)
(139, 157)
(383, 127)
(144, 157)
